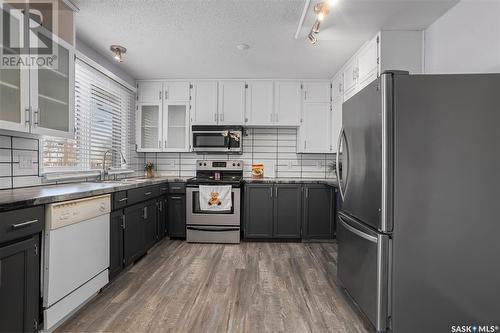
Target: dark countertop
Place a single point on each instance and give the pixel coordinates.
(41, 195)
(331, 182)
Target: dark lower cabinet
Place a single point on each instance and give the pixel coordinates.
(272, 211)
(318, 212)
(162, 217)
(258, 211)
(176, 204)
(287, 211)
(149, 216)
(133, 233)
(20, 286)
(116, 243)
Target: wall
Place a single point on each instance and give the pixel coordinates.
(466, 39)
(18, 161)
(273, 147)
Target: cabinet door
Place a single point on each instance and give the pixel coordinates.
(368, 63)
(149, 91)
(350, 75)
(316, 92)
(314, 132)
(318, 222)
(20, 286)
(14, 96)
(177, 91)
(52, 94)
(287, 211)
(133, 234)
(149, 131)
(259, 103)
(204, 103)
(177, 216)
(288, 103)
(337, 91)
(258, 211)
(116, 243)
(336, 124)
(231, 102)
(176, 127)
(162, 217)
(149, 216)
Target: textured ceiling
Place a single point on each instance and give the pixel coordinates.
(198, 38)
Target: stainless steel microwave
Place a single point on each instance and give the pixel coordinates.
(217, 139)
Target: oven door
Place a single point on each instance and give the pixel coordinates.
(210, 141)
(196, 216)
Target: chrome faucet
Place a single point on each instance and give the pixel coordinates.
(103, 172)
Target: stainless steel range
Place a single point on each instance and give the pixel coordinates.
(204, 226)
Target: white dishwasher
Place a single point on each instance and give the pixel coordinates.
(76, 255)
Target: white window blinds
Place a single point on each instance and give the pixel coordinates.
(104, 112)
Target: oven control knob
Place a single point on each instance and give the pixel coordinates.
(238, 164)
(201, 163)
(204, 164)
(234, 164)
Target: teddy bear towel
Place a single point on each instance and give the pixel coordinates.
(215, 198)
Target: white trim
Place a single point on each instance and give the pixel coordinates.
(71, 5)
(302, 18)
(68, 175)
(82, 57)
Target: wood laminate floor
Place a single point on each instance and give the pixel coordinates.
(250, 287)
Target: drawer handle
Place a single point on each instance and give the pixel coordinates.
(175, 198)
(23, 225)
(163, 188)
(147, 193)
(176, 188)
(122, 200)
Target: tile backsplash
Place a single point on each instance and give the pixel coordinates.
(275, 148)
(19, 165)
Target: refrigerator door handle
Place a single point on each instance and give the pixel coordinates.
(358, 232)
(337, 165)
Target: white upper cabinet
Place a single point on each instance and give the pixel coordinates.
(314, 132)
(350, 77)
(176, 127)
(204, 103)
(149, 91)
(336, 124)
(316, 92)
(287, 103)
(259, 103)
(231, 102)
(337, 87)
(368, 59)
(388, 50)
(149, 128)
(176, 91)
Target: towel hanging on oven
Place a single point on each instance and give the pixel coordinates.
(215, 198)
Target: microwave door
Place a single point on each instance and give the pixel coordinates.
(209, 140)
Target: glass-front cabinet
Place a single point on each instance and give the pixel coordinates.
(162, 125)
(36, 89)
(149, 127)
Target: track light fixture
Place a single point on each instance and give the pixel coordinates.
(321, 9)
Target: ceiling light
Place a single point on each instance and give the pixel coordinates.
(242, 47)
(332, 3)
(312, 38)
(119, 51)
(321, 16)
(315, 27)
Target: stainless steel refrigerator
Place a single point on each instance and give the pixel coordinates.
(419, 219)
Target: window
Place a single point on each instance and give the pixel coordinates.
(104, 114)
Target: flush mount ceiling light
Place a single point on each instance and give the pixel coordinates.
(119, 51)
(321, 9)
(242, 47)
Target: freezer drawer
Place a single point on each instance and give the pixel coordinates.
(363, 262)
